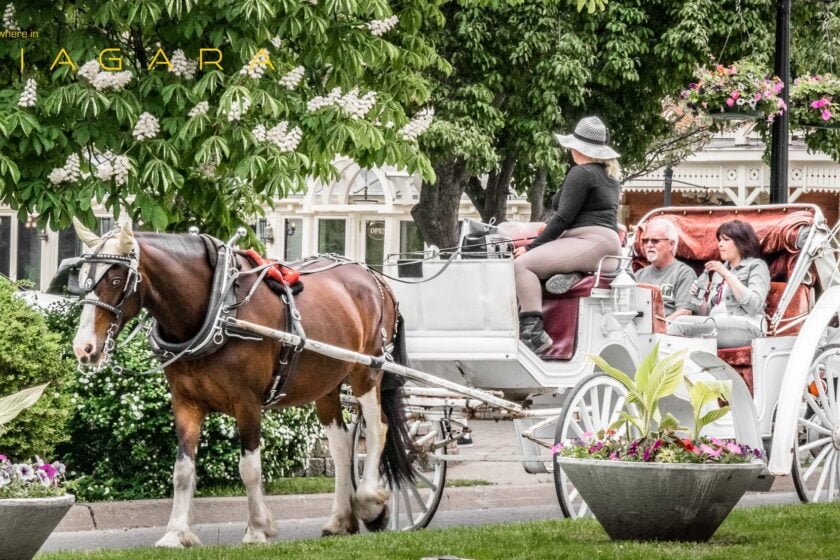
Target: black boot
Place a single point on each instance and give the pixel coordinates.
(532, 333)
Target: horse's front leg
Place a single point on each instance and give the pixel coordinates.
(188, 428)
(260, 522)
(342, 521)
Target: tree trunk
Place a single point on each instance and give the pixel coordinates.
(491, 202)
(536, 194)
(436, 215)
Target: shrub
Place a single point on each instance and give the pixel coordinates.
(122, 439)
(30, 355)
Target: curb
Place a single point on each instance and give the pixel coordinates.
(155, 513)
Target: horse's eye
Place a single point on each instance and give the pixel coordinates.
(116, 282)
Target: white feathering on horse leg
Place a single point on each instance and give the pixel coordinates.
(260, 522)
(342, 521)
(370, 496)
(178, 533)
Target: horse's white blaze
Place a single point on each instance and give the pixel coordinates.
(370, 497)
(342, 520)
(86, 334)
(260, 522)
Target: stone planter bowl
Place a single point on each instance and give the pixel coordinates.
(26, 523)
(660, 501)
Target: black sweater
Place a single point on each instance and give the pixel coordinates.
(588, 197)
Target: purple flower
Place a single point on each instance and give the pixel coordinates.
(60, 468)
(4, 479)
(50, 471)
(44, 478)
(25, 472)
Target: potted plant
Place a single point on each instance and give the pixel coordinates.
(32, 501)
(647, 478)
(815, 101)
(735, 92)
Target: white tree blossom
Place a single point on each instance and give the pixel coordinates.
(293, 78)
(257, 65)
(109, 165)
(70, 173)
(200, 108)
(29, 95)
(356, 106)
(380, 27)
(286, 140)
(259, 133)
(9, 18)
(239, 108)
(277, 42)
(182, 66)
(103, 80)
(418, 125)
(147, 127)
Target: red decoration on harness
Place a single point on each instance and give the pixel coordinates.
(277, 272)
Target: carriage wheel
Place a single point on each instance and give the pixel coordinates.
(591, 406)
(816, 459)
(412, 505)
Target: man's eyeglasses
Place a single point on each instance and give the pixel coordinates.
(654, 240)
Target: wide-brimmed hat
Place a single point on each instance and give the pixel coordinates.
(591, 138)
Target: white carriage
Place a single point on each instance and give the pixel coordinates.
(462, 332)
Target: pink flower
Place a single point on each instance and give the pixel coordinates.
(556, 449)
(48, 469)
(730, 102)
(757, 97)
(614, 456)
(716, 441)
(777, 88)
(587, 435)
(735, 94)
(733, 448)
(709, 451)
(819, 103)
(3, 458)
(826, 114)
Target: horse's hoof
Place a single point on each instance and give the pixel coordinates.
(254, 536)
(178, 539)
(380, 523)
(340, 526)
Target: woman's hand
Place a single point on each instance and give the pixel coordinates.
(520, 251)
(716, 266)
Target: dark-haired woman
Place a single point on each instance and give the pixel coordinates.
(734, 305)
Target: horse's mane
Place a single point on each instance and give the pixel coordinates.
(179, 245)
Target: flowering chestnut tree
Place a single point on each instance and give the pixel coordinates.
(200, 112)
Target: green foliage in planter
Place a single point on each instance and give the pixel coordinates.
(123, 443)
(31, 355)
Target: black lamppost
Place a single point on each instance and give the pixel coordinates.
(781, 126)
(669, 181)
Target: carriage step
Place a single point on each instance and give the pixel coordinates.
(489, 457)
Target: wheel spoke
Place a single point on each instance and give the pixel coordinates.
(595, 408)
(831, 469)
(419, 498)
(826, 404)
(619, 406)
(817, 460)
(832, 395)
(813, 426)
(606, 411)
(408, 509)
(823, 476)
(816, 443)
(395, 515)
(817, 409)
(431, 484)
(576, 428)
(584, 415)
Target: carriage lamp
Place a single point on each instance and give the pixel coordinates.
(624, 297)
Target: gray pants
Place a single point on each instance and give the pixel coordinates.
(732, 331)
(576, 250)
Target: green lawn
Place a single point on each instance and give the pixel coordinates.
(799, 532)
(303, 485)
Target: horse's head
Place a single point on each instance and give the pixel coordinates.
(108, 279)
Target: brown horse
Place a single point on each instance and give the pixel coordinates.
(171, 276)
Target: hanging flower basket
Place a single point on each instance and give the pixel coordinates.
(815, 101)
(741, 91)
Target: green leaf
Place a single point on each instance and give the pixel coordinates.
(645, 368)
(16, 403)
(615, 373)
(712, 416)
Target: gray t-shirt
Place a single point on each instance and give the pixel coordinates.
(674, 281)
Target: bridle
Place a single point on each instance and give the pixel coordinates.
(93, 270)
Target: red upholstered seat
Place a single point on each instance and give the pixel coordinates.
(657, 307)
(560, 313)
(777, 228)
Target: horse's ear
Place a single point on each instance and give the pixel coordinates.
(86, 236)
(126, 237)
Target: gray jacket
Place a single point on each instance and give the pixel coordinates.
(754, 274)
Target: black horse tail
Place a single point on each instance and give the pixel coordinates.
(397, 458)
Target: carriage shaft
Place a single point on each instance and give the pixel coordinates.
(357, 357)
